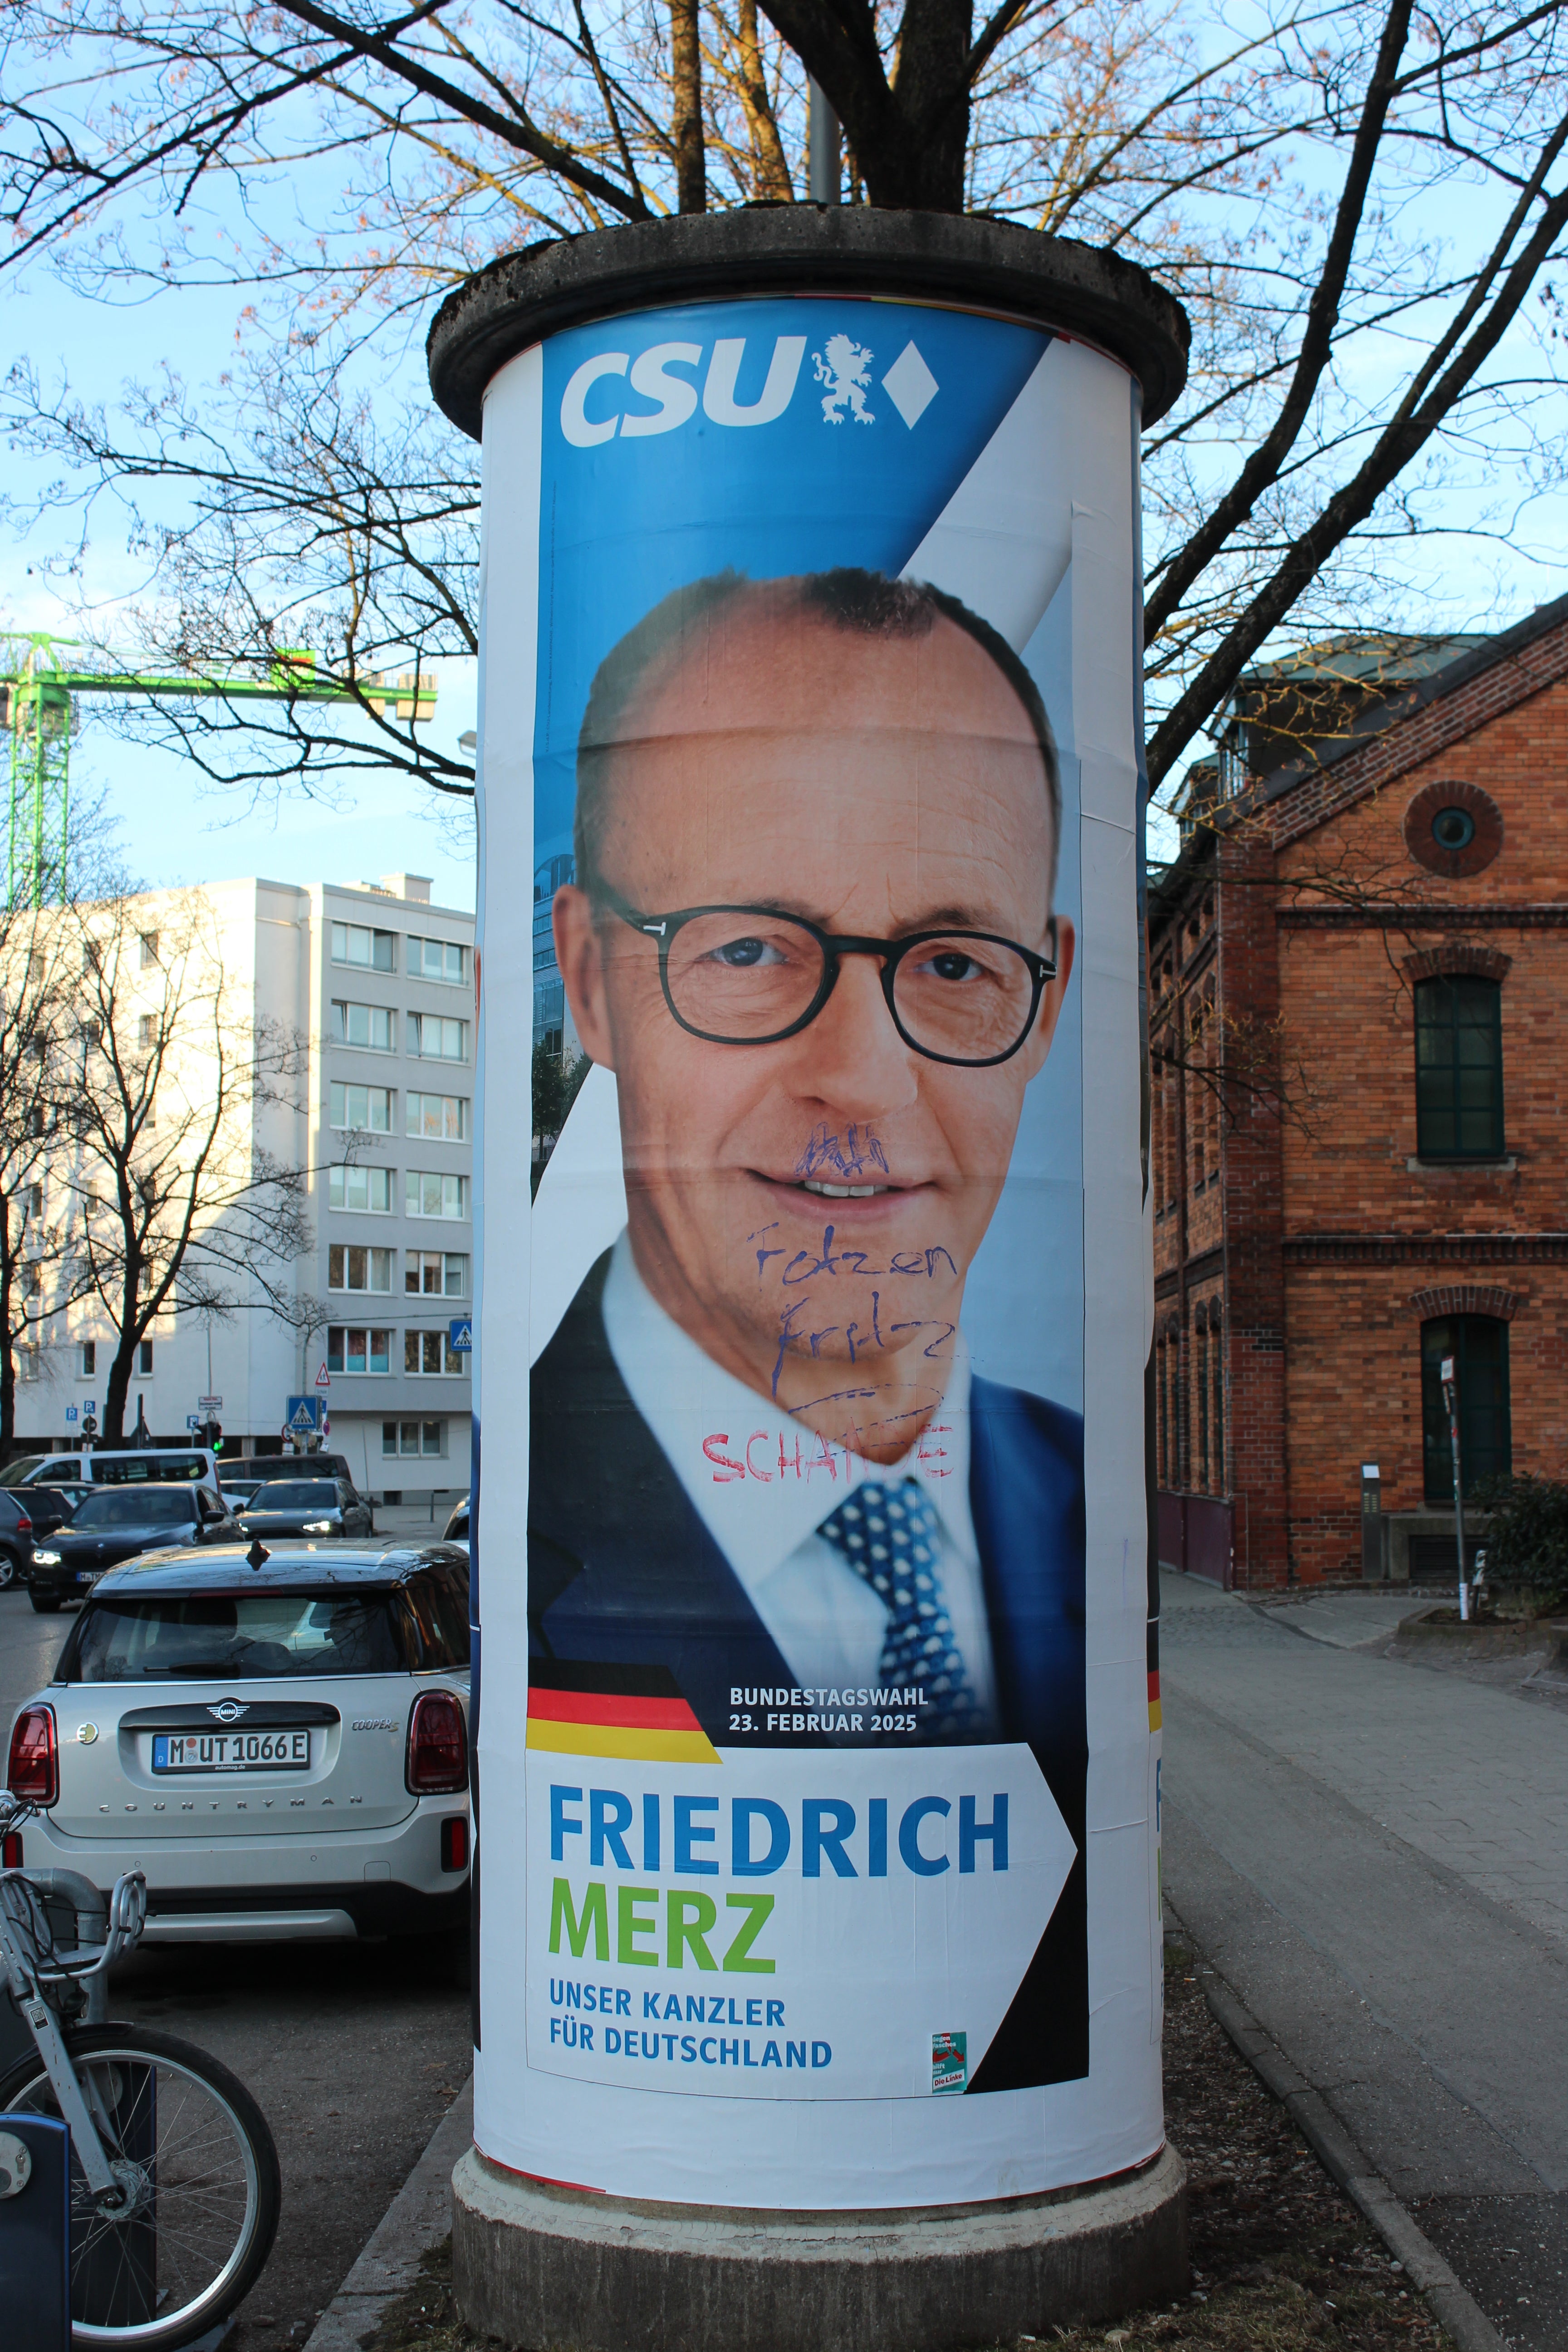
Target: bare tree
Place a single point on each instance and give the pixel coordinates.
(35, 1267)
(172, 1202)
(1362, 208)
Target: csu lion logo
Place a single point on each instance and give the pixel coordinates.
(846, 367)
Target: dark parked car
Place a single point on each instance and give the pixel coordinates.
(116, 1523)
(307, 1507)
(52, 1507)
(15, 1540)
(235, 1466)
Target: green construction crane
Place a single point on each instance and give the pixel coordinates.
(36, 706)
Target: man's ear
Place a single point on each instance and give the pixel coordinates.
(1044, 1028)
(579, 951)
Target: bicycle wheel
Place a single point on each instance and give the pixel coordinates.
(193, 2149)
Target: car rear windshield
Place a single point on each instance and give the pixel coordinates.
(145, 1506)
(300, 1495)
(233, 1636)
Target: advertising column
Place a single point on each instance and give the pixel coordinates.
(817, 1759)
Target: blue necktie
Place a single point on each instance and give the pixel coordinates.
(889, 1535)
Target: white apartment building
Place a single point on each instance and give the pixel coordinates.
(378, 984)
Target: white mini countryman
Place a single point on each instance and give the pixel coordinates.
(278, 1739)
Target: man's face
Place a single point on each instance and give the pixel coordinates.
(808, 1210)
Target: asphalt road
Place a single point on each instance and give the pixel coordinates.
(353, 2051)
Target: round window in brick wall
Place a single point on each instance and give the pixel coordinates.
(1452, 829)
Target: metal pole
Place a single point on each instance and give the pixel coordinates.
(1451, 1399)
(823, 148)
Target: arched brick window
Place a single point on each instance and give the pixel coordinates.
(1458, 1066)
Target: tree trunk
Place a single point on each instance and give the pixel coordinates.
(116, 1393)
(8, 1356)
(771, 173)
(686, 75)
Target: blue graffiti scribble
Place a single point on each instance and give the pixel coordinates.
(848, 1158)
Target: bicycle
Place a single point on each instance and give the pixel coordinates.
(173, 2175)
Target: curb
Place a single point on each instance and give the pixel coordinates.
(419, 2216)
(1456, 2310)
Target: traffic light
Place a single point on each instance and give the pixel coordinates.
(212, 1435)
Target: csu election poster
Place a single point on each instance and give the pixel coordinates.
(818, 1784)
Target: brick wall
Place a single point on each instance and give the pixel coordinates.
(1327, 1237)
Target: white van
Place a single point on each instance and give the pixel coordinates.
(104, 1465)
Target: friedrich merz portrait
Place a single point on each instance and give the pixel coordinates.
(812, 933)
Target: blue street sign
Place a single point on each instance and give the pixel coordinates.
(461, 1328)
(303, 1418)
(193, 1421)
(70, 1413)
(89, 1409)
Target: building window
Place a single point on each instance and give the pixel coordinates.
(368, 1188)
(436, 1274)
(437, 960)
(368, 1026)
(1201, 1368)
(350, 1267)
(416, 1438)
(89, 1360)
(431, 1195)
(147, 942)
(433, 1352)
(434, 1038)
(1217, 1403)
(1459, 1067)
(1479, 1346)
(147, 1029)
(350, 1347)
(366, 1108)
(441, 1119)
(28, 1361)
(357, 943)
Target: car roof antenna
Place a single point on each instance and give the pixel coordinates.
(258, 1555)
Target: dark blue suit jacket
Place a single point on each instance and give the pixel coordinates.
(623, 1574)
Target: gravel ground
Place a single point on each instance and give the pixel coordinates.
(1280, 2261)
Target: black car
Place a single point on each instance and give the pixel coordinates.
(16, 1539)
(236, 1467)
(116, 1523)
(307, 1507)
(52, 1507)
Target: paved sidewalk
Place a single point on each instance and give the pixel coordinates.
(418, 2217)
(1375, 1856)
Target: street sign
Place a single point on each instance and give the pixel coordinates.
(210, 1404)
(303, 1418)
(193, 1421)
(461, 1328)
(70, 1413)
(323, 1378)
(90, 1410)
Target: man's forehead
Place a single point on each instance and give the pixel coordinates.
(760, 664)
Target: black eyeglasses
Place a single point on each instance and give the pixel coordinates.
(750, 976)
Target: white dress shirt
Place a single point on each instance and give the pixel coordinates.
(761, 1484)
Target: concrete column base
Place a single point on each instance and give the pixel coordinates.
(555, 2270)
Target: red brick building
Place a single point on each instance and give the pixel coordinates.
(1357, 1123)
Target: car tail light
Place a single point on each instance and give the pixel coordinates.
(34, 1772)
(11, 1850)
(24, 1525)
(438, 1746)
(455, 1842)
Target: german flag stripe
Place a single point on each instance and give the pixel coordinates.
(1156, 1714)
(605, 1706)
(692, 1746)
